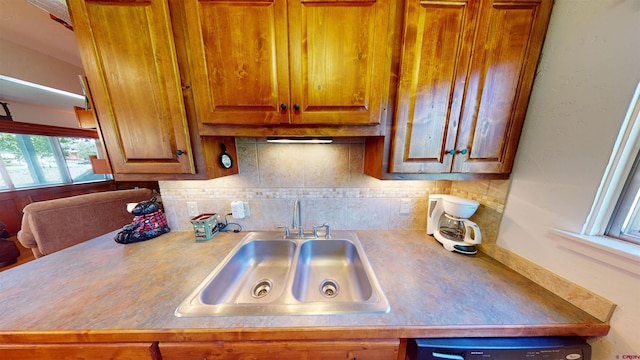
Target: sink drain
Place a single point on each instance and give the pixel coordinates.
(329, 288)
(261, 289)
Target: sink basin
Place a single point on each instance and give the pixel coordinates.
(253, 274)
(330, 270)
(266, 274)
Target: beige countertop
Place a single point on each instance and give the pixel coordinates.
(104, 291)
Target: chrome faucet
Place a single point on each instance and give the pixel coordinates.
(296, 223)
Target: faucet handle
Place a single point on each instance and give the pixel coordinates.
(286, 230)
(327, 231)
(327, 234)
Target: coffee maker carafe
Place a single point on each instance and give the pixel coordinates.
(448, 222)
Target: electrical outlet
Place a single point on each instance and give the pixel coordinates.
(192, 208)
(405, 206)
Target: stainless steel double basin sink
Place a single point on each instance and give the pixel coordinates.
(266, 274)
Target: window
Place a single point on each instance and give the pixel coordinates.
(610, 234)
(616, 210)
(625, 221)
(37, 160)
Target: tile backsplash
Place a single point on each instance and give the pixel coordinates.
(329, 181)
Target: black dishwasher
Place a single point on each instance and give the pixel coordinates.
(500, 348)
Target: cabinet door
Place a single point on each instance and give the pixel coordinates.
(128, 53)
(437, 43)
(294, 350)
(510, 37)
(240, 60)
(78, 351)
(338, 61)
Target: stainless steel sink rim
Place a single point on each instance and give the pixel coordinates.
(286, 303)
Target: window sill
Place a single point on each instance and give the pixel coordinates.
(614, 252)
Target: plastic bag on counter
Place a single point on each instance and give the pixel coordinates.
(146, 207)
(148, 223)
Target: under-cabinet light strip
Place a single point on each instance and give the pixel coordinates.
(300, 140)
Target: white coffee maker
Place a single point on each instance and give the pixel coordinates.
(448, 221)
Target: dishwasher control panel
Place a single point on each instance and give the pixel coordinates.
(503, 348)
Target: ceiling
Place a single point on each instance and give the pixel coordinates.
(28, 24)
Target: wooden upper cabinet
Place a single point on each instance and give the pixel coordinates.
(337, 52)
(296, 62)
(128, 54)
(438, 39)
(509, 43)
(467, 69)
(239, 53)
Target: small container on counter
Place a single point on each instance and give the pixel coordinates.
(205, 226)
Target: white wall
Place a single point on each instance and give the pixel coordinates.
(588, 72)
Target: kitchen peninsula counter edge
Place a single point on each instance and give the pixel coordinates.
(102, 291)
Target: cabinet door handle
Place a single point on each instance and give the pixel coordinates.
(296, 107)
(454, 151)
(179, 152)
(283, 106)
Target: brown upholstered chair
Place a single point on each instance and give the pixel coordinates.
(52, 225)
